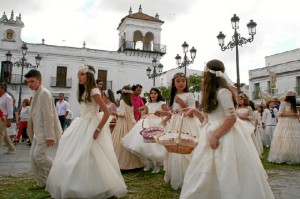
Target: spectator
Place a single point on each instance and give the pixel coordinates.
(137, 101)
(69, 119)
(62, 108)
(6, 105)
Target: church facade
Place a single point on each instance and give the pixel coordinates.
(139, 42)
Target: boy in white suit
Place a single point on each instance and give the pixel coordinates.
(43, 127)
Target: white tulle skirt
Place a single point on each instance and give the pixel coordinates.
(133, 141)
(84, 167)
(233, 170)
(285, 146)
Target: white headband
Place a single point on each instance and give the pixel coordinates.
(217, 73)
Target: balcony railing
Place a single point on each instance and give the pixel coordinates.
(61, 82)
(12, 79)
(155, 48)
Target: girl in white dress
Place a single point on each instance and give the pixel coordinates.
(245, 113)
(85, 165)
(258, 124)
(175, 164)
(285, 145)
(109, 99)
(125, 123)
(225, 164)
(133, 141)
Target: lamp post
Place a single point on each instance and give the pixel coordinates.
(236, 41)
(186, 61)
(23, 63)
(155, 72)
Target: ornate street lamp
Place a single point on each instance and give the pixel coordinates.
(23, 63)
(236, 41)
(155, 73)
(186, 61)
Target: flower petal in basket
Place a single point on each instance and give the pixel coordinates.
(150, 133)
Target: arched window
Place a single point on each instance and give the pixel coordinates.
(148, 41)
(138, 40)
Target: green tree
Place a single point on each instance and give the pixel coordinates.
(195, 82)
(165, 91)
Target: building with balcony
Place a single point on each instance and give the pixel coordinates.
(139, 43)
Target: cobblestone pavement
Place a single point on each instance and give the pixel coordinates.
(285, 184)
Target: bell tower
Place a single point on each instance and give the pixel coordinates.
(10, 30)
(140, 35)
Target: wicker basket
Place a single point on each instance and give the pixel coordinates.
(177, 141)
(150, 132)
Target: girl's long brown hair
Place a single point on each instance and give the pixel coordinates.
(210, 85)
(90, 84)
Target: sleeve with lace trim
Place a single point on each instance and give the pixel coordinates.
(190, 100)
(225, 100)
(95, 91)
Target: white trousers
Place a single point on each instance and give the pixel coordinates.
(40, 162)
(270, 132)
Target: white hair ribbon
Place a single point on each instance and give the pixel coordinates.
(106, 93)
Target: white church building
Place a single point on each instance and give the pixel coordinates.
(139, 42)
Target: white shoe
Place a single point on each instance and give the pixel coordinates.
(156, 169)
(148, 166)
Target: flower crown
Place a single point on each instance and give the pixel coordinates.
(86, 69)
(179, 75)
(126, 91)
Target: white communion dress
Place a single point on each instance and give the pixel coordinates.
(84, 167)
(256, 140)
(133, 141)
(231, 171)
(175, 164)
(285, 145)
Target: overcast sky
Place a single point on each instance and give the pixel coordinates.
(70, 22)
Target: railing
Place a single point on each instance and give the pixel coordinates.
(156, 48)
(61, 82)
(12, 79)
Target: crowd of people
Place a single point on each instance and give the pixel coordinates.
(105, 140)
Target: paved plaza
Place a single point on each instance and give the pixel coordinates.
(285, 184)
